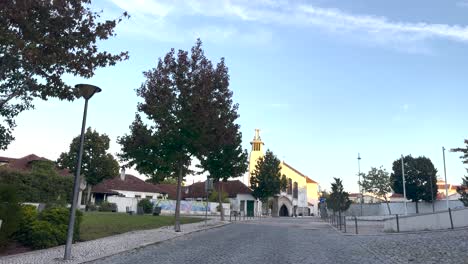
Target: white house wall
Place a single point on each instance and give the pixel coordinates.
(141, 194)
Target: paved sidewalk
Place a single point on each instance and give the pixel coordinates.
(107, 246)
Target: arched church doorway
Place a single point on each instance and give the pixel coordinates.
(283, 211)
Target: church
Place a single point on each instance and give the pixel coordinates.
(301, 195)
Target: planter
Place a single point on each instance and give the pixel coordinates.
(157, 210)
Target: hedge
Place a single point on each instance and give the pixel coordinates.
(146, 205)
(39, 185)
(10, 213)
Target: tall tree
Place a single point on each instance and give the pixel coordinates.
(220, 147)
(266, 178)
(420, 178)
(463, 189)
(338, 199)
(377, 182)
(96, 164)
(40, 42)
(176, 103)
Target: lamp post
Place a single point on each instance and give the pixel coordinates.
(86, 91)
(359, 175)
(404, 183)
(446, 183)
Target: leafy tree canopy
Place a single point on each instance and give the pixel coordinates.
(266, 178)
(377, 182)
(420, 174)
(463, 189)
(40, 42)
(338, 200)
(97, 164)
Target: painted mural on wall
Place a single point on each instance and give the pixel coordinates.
(185, 206)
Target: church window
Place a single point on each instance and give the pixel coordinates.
(295, 190)
(289, 186)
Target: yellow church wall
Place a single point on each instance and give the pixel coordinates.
(293, 175)
(312, 192)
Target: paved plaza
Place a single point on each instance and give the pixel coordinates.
(300, 240)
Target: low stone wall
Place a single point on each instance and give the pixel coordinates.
(429, 221)
(399, 208)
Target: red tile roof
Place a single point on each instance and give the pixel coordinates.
(25, 163)
(131, 183)
(232, 188)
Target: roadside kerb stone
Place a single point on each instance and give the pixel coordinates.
(108, 246)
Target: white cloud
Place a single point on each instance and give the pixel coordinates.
(264, 13)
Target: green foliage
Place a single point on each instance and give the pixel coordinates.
(59, 217)
(214, 197)
(41, 41)
(39, 185)
(107, 207)
(10, 213)
(377, 182)
(266, 178)
(45, 235)
(463, 189)
(92, 207)
(338, 201)
(29, 214)
(420, 178)
(146, 205)
(97, 164)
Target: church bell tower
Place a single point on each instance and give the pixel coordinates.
(255, 153)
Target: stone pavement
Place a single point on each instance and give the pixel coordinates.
(299, 240)
(107, 246)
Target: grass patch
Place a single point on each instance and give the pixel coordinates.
(101, 224)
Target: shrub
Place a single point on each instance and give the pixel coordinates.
(108, 207)
(28, 216)
(45, 234)
(146, 205)
(92, 207)
(10, 213)
(59, 216)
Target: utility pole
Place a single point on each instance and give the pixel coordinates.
(359, 175)
(446, 183)
(404, 183)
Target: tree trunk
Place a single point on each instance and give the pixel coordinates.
(220, 195)
(178, 198)
(88, 195)
(417, 207)
(388, 206)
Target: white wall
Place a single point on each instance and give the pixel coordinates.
(141, 194)
(399, 208)
(440, 220)
(123, 203)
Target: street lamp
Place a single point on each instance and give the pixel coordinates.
(404, 183)
(446, 183)
(86, 91)
(359, 175)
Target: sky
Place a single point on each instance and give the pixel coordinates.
(323, 80)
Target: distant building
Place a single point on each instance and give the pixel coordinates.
(367, 198)
(126, 185)
(301, 195)
(26, 163)
(240, 196)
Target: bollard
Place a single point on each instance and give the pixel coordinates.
(451, 220)
(230, 216)
(397, 224)
(355, 223)
(235, 217)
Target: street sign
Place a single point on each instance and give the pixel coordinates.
(208, 185)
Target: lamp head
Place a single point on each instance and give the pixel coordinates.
(87, 90)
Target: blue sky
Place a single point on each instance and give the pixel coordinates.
(322, 79)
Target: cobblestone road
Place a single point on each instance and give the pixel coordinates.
(300, 240)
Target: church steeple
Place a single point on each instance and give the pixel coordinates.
(255, 153)
(257, 141)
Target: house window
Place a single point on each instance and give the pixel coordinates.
(149, 197)
(242, 205)
(138, 196)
